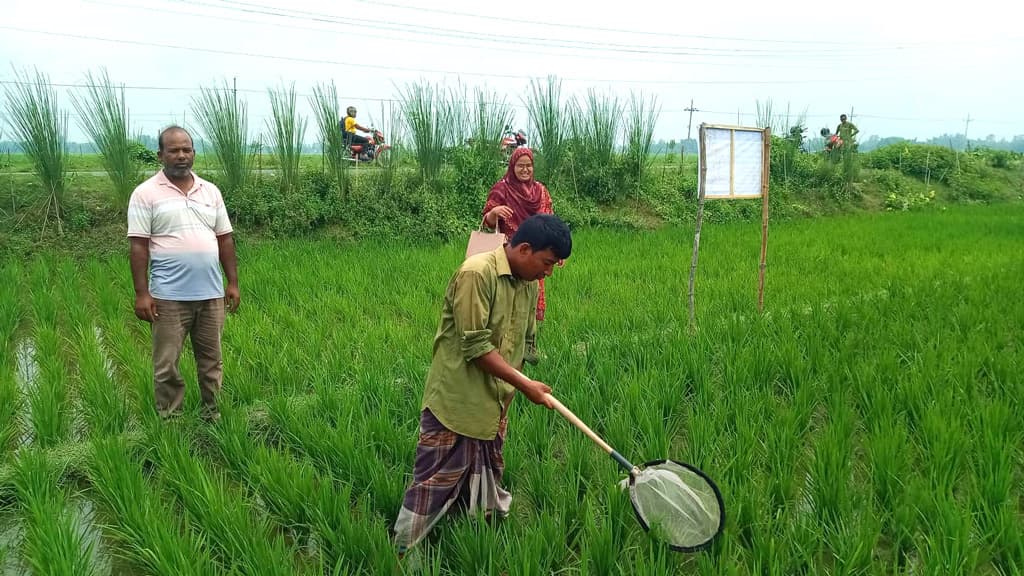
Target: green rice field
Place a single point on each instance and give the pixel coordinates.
(869, 421)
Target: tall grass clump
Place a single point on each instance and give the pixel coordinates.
(767, 116)
(640, 123)
(325, 107)
(548, 122)
(54, 543)
(432, 120)
(223, 120)
(590, 145)
(147, 530)
(287, 131)
(595, 128)
(481, 163)
(103, 115)
(41, 129)
(488, 118)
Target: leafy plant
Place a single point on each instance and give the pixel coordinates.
(103, 115)
(223, 119)
(41, 128)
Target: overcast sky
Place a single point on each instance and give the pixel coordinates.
(903, 70)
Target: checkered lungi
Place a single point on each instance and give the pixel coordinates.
(451, 469)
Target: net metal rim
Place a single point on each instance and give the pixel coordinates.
(706, 478)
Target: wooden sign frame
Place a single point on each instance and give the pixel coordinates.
(762, 193)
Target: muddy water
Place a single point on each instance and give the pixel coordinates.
(87, 525)
(26, 374)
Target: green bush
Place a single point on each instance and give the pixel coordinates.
(144, 156)
(919, 160)
(1002, 159)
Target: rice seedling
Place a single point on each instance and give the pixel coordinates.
(287, 133)
(41, 128)
(825, 421)
(241, 537)
(285, 486)
(149, 534)
(103, 404)
(103, 115)
(53, 544)
(998, 437)
(49, 395)
(949, 546)
(10, 319)
(830, 468)
(223, 120)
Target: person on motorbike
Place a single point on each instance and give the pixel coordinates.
(349, 127)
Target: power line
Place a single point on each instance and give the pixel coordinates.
(689, 110)
(603, 46)
(427, 70)
(501, 48)
(614, 30)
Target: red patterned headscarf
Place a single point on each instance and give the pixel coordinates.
(524, 198)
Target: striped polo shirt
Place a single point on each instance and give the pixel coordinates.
(182, 229)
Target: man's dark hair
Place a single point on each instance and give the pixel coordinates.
(171, 128)
(543, 231)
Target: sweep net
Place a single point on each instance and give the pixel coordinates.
(677, 504)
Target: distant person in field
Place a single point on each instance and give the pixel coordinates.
(179, 232)
(349, 127)
(513, 199)
(832, 141)
(846, 130)
(488, 320)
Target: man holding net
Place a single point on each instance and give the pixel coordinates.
(487, 322)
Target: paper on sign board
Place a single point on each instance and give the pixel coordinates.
(734, 163)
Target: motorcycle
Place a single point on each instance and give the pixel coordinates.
(511, 140)
(370, 152)
(832, 141)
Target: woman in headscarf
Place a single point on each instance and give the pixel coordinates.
(516, 197)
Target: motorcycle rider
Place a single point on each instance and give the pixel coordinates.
(348, 130)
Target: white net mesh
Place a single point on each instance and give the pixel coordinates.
(678, 504)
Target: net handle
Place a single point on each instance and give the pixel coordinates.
(568, 415)
(590, 433)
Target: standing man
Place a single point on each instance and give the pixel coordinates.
(846, 130)
(179, 231)
(488, 322)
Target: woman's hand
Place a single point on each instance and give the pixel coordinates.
(498, 212)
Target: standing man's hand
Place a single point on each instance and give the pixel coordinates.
(537, 392)
(145, 307)
(233, 297)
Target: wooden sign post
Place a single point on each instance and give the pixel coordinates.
(734, 164)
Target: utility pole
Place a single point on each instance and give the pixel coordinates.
(689, 125)
(967, 123)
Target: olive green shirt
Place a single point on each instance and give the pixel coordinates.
(485, 308)
(847, 130)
